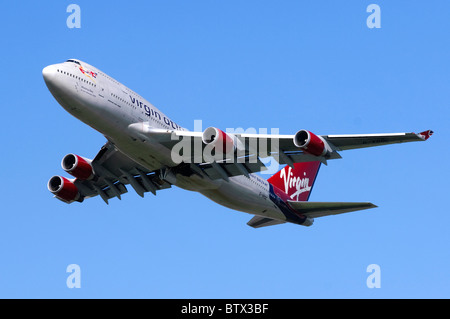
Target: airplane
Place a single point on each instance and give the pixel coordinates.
(150, 152)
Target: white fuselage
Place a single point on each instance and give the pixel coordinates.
(110, 108)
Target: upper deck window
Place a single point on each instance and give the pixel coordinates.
(74, 61)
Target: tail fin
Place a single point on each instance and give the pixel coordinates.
(296, 182)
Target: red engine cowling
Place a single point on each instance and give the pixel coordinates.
(77, 166)
(219, 140)
(63, 189)
(310, 143)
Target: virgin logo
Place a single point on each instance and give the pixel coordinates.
(294, 183)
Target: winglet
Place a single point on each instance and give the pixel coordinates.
(425, 135)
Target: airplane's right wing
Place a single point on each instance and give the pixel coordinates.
(113, 170)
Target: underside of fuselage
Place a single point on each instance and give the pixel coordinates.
(231, 194)
(89, 101)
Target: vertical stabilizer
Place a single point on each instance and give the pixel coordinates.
(296, 182)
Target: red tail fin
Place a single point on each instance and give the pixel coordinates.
(296, 182)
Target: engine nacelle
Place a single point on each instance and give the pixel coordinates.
(77, 166)
(311, 143)
(63, 189)
(222, 142)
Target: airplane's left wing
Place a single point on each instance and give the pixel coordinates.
(354, 141)
(305, 146)
(106, 175)
(214, 145)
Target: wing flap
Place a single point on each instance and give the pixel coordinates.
(320, 209)
(223, 170)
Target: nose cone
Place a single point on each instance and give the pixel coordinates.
(49, 74)
(53, 79)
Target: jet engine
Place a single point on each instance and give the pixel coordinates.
(77, 166)
(222, 142)
(63, 189)
(311, 143)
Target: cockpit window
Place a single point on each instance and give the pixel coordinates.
(74, 61)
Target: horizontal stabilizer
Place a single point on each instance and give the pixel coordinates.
(320, 209)
(258, 221)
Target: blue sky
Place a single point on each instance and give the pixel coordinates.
(264, 64)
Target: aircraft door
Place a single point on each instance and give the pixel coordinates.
(102, 90)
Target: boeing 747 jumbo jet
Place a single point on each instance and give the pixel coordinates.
(151, 152)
